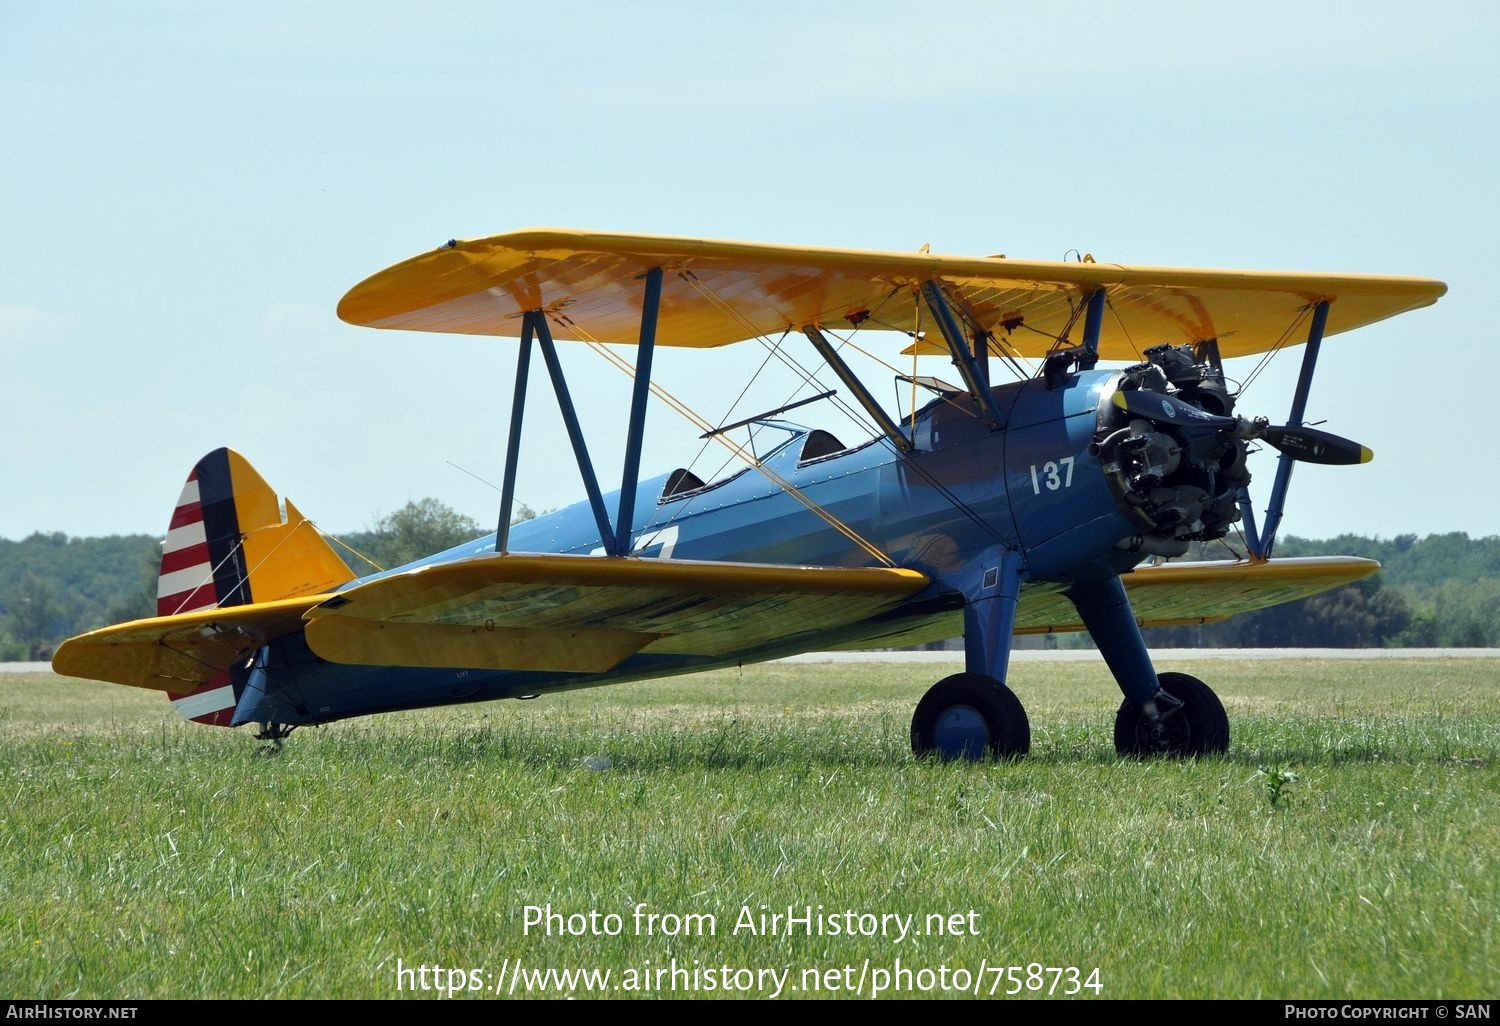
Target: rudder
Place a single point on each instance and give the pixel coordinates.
(230, 544)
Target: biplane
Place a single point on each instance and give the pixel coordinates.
(1051, 502)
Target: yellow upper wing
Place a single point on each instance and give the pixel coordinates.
(715, 293)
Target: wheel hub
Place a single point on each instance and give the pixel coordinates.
(1167, 732)
(961, 732)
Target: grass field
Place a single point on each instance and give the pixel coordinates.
(144, 857)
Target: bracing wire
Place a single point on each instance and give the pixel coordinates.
(738, 450)
(351, 548)
(958, 504)
(1281, 343)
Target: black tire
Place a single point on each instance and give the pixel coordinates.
(970, 716)
(1198, 727)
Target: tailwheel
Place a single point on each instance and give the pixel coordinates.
(1188, 721)
(275, 733)
(970, 716)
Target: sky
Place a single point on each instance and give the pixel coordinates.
(187, 189)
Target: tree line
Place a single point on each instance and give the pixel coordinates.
(53, 587)
(1439, 591)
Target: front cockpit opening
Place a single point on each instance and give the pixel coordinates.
(680, 482)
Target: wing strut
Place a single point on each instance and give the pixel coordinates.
(575, 430)
(739, 452)
(1093, 321)
(963, 356)
(1084, 356)
(1299, 408)
(513, 443)
(852, 382)
(615, 538)
(641, 392)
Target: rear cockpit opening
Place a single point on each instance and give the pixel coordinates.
(820, 443)
(809, 444)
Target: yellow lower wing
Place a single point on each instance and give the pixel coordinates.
(586, 614)
(1172, 594)
(1166, 595)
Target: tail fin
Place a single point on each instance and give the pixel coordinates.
(229, 544)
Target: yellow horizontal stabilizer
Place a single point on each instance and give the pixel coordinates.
(285, 556)
(177, 653)
(592, 612)
(715, 293)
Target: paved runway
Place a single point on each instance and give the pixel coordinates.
(1158, 655)
(1082, 655)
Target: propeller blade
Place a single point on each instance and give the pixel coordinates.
(1309, 445)
(1156, 407)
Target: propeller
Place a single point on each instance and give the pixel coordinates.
(1313, 446)
(1309, 445)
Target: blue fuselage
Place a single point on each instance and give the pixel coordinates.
(963, 490)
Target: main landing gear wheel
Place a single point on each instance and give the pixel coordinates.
(970, 716)
(1190, 722)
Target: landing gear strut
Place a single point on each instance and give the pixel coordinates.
(973, 715)
(1168, 714)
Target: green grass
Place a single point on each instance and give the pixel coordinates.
(145, 857)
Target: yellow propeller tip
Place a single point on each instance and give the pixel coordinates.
(1119, 399)
(1365, 454)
